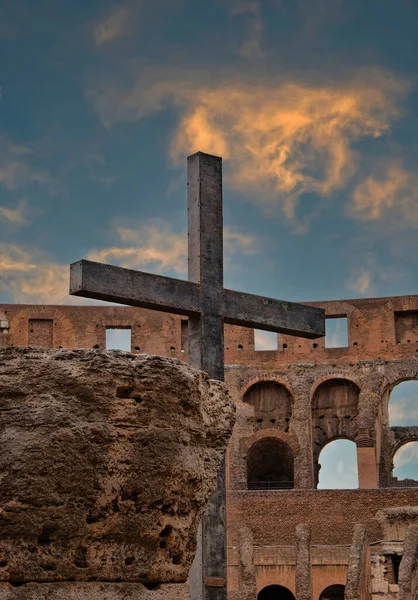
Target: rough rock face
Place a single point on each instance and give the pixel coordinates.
(107, 460)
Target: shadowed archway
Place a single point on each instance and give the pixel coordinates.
(275, 592)
(270, 465)
(333, 592)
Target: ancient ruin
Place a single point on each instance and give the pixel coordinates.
(107, 462)
(285, 537)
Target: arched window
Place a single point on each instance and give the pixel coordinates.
(275, 592)
(272, 404)
(338, 466)
(333, 592)
(270, 465)
(405, 462)
(403, 404)
(334, 412)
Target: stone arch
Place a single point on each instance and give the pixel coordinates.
(275, 592)
(272, 402)
(335, 375)
(335, 405)
(333, 592)
(63, 331)
(327, 472)
(270, 464)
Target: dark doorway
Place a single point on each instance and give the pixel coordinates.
(270, 465)
(333, 592)
(275, 592)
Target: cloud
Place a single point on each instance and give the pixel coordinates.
(403, 404)
(392, 190)
(265, 340)
(27, 275)
(361, 282)
(282, 139)
(113, 26)
(16, 169)
(252, 47)
(371, 277)
(15, 259)
(406, 458)
(15, 216)
(154, 246)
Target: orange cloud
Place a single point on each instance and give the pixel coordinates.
(282, 139)
(15, 216)
(394, 190)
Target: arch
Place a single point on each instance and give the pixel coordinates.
(272, 402)
(333, 592)
(275, 592)
(336, 376)
(403, 404)
(405, 463)
(270, 465)
(334, 411)
(338, 465)
(63, 331)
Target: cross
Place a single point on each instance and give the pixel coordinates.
(208, 306)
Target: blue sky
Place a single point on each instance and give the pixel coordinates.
(313, 106)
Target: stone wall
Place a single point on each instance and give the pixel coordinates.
(312, 394)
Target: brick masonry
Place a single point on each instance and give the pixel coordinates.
(322, 394)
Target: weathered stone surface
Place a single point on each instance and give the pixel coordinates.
(93, 591)
(409, 565)
(357, 564)
(107, 460)
(303, 562)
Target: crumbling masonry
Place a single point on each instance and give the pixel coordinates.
(285, 537)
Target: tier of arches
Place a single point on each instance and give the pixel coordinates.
(334, 412)
(280, 592)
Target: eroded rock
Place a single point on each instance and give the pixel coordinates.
(107, 460)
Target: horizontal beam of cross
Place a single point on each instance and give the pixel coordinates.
(136, 288)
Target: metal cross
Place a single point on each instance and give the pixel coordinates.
(208, 305)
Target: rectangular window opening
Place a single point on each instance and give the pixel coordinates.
(265, 340)
(336, 332)
(118, 338)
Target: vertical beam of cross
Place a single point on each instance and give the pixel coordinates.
(205, 241)
(206, 349)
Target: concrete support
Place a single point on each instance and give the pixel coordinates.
(409, 565)
(303, 562)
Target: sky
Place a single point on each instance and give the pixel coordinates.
(312, 104)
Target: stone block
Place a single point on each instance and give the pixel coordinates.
(107, 461)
